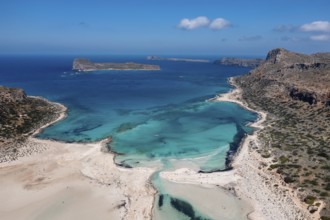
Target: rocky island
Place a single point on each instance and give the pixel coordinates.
(83, 64)
(294, 90)
(228, 61)
(178, 59)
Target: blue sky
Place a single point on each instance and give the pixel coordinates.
(204, 27)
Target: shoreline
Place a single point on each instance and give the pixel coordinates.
(79, 180)
(269, 196)
(86, 170)
(62, 115)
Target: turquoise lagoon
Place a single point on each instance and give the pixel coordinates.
(156, 118)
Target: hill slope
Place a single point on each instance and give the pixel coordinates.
(20, 116)
(295, 91)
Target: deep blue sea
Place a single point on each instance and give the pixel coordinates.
(153, 116)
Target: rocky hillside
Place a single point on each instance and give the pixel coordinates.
(294, 89)
(21, 115)
(288, 75)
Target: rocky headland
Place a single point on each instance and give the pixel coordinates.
(294, 90)
(20, 116)
(178, 59)
(229, 61)
(82, 64)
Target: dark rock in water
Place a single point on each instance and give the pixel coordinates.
(160, 200)
(123, 164)
(234, 145)
(233, 148)
(185, 208)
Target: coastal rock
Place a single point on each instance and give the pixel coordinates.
(83, 64)
(252, 63)
(305, 77)
(281, 55)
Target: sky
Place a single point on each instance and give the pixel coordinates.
(160, 27)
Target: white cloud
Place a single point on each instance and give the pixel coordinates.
(322, 37)
(189, 24)
(219, 23)
(321, 26)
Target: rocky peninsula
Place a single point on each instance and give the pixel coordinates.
(294, 90)
(83, 64)
(20, 116)
(229, 61)
(178, 59)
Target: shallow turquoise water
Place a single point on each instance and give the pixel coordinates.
(194, 130)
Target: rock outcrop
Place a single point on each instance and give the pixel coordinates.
(252, 63)
(83, 64)
(301, 77)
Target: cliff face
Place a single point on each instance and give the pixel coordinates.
(83, 64)
(297, 76)
(294, 89)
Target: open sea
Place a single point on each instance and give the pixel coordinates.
(156, 118)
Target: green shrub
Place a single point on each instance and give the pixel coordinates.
(310, 200)
(274, 166)
(283, 159)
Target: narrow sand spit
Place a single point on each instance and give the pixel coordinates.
(270, 197)
(72, 181)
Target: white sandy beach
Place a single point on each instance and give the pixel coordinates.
(72, 181)
(269, 196)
